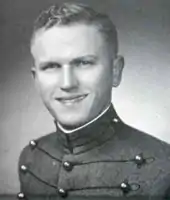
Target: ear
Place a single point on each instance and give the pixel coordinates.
(34, 76)
(118, 64)
(33, 72)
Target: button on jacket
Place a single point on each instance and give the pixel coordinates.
(105, 159)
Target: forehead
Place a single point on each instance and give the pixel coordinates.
(67, 42)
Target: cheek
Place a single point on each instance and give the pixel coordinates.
(97, 79)
(46, 83)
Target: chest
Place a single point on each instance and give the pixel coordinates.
(97, 175)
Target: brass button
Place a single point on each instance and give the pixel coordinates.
(21, 195)
(33, 144)
(115, 120)
(125, 187)
(62, 192)
(68, 166)
(139, 160)
(23, 168)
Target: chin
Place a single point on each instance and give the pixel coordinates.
(68, 116)
(70, 121)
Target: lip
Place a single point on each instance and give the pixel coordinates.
(71, 99)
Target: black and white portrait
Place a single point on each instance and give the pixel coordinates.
(85, 99)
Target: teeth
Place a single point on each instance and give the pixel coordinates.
(68, 101)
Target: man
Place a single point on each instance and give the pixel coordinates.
(92, 153)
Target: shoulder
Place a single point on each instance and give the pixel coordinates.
(145, 141)
(27, 152)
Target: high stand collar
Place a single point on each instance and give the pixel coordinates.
(90, 136)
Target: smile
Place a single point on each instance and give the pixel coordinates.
(72, 99)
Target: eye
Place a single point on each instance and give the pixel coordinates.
(83, 62)
(86, 62)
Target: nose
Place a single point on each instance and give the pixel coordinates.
(68, 79)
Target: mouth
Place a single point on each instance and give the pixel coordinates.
(71, 99)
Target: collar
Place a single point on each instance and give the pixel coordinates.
(92, 135)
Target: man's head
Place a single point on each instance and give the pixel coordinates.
(76, 63)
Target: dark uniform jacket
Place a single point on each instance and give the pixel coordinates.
(105, 159)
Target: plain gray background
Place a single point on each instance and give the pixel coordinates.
(142, 100)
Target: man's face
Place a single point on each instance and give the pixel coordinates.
(73, 72)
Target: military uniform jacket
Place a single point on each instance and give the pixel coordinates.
(105, 159)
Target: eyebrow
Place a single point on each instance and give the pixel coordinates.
(46, 64)
(74, 60)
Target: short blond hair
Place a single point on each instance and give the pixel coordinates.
(70, 13)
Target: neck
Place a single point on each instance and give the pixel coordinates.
(65, 130)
